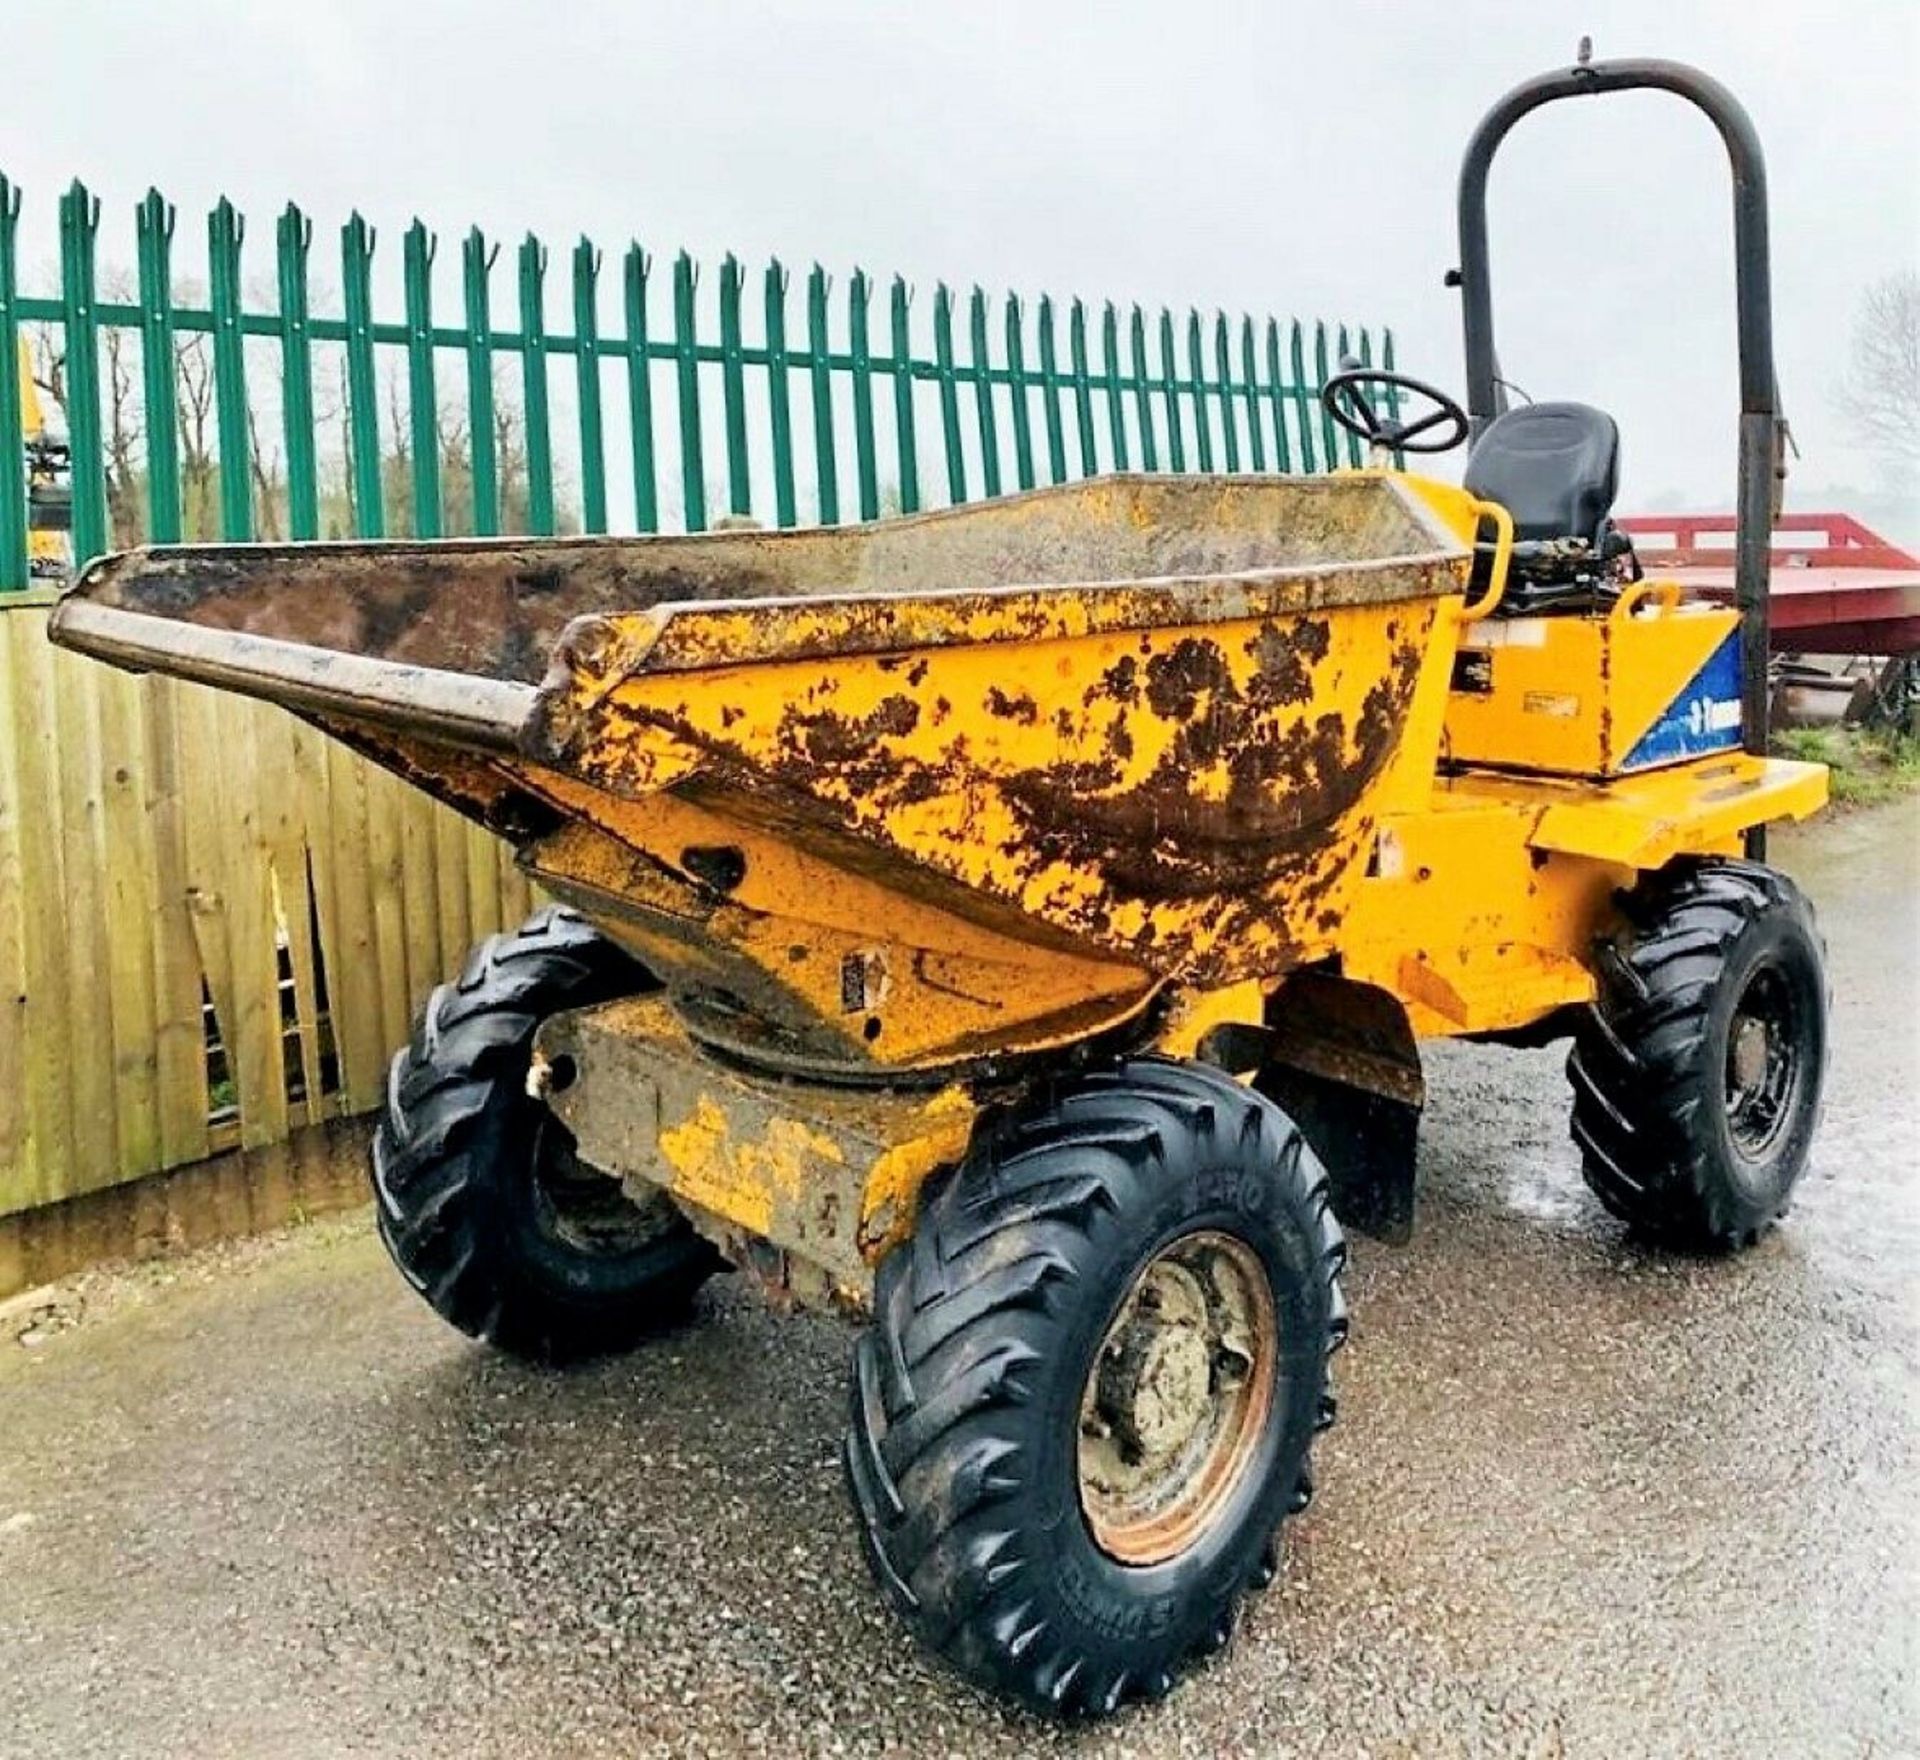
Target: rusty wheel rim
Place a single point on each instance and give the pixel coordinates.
(1176, 1401)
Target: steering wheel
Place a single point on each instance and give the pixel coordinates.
(1344, 398)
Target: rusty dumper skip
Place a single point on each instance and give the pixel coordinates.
(1016, 924)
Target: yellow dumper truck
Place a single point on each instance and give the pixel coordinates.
(1017, 924)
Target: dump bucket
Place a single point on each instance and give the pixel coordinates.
(1127, 731)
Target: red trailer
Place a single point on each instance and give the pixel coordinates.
(1836, 587)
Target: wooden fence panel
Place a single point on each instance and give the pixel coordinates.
(215, 923)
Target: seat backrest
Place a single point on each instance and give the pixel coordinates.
(1554, 466)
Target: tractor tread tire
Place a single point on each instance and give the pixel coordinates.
(971, 1313)
(1642, 1068)
(455, 1146)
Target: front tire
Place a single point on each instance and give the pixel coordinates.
(1087, 1397)
(479, 1197)
(1697, 1073)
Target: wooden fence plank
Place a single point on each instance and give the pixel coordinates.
(277, 734)
(314, 786)
(43, 913)
(179, 1032)
(89, 1003)
(516, 898)
(203, 738)
(13, 943)
(127, 857)
(419, 895)
(353, 976)
(383, 857)
(450, 848)
(483, 881)
(257, 1053)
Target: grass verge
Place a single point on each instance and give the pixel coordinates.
(1869, 766)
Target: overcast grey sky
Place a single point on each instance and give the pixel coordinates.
(1267, 157)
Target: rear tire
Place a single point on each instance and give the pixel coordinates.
(480, 1199)
(1063, 1485)
(1697, 1073)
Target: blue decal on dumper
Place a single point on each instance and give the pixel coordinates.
(1704, 717)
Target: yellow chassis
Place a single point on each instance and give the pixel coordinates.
(905, 815)
(1471, 893)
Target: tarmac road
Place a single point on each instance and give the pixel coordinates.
(1583, 1498)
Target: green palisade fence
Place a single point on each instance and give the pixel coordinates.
(263, 397)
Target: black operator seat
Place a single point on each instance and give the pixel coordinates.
(1554, 466)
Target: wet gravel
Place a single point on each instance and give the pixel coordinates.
(1583, 1499)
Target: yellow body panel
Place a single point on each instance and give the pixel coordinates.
(1193, 800)
(1574, 695)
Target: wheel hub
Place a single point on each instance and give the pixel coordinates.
(1177, 1398)
(1762, 1070)
(1154, 1392)
(1749, 1052)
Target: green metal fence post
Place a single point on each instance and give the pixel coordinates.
(13, 475)
(693, 469)
(1223, 365)
(226, 231)
(153, 231)
(423, 398)
(780, 395)
(476, 266)
(1277, 399)
(1110, 375)
(586, 362)
(1017, 381)
(1142, 391)
(1302, 399)
(79, 226)
(533, 380)
(1329, 434)
(646, 494)
(363, 410)
(733, 388)
(1197, 371)
(949, 393)
(1082, 388)
(905, 438)
(293, 237)
(1250, 389)
(983, 393)
(1050, 394)
(860, 349)
(1170, 393)
(820, 382)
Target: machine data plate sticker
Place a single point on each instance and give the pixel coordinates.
(1704, 717)
(1505, 632)
(1556, 703)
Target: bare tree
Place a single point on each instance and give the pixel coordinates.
(1880, 390)
(193, 379)
(269, 481)
(125, 426)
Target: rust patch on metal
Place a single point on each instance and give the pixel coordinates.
(828, 738)
(1017, 706)
(1163, 839)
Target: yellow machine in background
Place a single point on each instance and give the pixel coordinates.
(1017, 923)
(49, 483)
